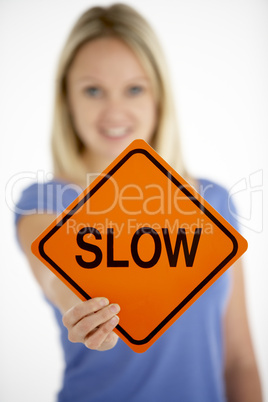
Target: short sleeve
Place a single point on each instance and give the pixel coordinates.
(44, 198)
(218, 197)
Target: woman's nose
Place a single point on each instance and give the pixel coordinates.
(115, 107)
(115, 101)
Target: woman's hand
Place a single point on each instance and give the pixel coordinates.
(92, 323)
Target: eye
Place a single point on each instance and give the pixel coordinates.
(135, 90)
(93, 92)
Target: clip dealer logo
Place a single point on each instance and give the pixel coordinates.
(144, 238)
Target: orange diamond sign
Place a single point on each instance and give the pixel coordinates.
(141, 236)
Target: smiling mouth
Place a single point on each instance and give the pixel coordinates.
(116, 132)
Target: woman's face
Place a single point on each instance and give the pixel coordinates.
(110, 99)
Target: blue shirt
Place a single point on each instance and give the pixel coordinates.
(185, 364)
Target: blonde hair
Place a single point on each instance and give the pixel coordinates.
(122, 22)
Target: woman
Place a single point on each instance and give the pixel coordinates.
(111, 89)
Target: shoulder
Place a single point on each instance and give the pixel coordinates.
(219, 198)
(46, 197)
(211, 191)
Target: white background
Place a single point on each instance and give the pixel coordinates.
(218, 57)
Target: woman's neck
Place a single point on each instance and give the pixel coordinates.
(95, 164)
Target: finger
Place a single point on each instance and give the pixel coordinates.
(96, 339)
(76, 313)
(85, 326)
(109, 342)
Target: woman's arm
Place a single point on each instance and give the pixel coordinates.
(241, 373)
(91, 322)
